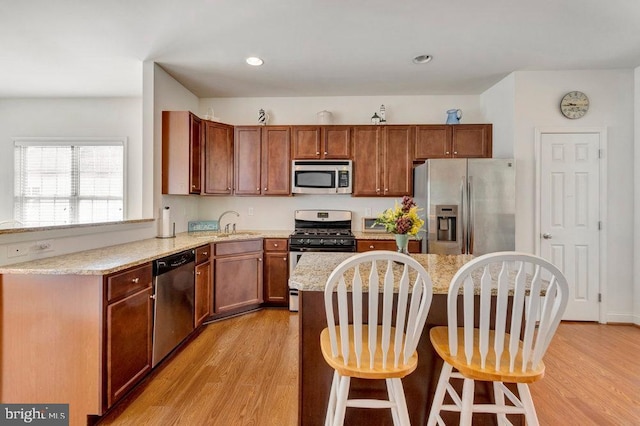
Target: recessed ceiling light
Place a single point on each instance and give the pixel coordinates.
(255, 61)
(422, 59)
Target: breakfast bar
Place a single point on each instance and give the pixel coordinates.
(309, 277)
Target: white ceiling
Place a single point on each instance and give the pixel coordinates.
(310, 47)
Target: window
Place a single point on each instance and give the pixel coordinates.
(67, 181)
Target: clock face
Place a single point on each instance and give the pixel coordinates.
(574, 104)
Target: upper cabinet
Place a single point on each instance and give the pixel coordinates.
(181, 153)
(262, 160)
(318, 142)
(218, 159)
(382, 160)
(453, 141)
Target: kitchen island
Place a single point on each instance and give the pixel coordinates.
(309, 277)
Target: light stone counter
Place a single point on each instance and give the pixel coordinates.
(111, 259)
(313, 269)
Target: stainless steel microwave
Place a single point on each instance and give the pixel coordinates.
(321, 177)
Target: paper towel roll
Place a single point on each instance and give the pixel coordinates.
(165, 223)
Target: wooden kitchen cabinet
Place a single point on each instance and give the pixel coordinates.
(321, 142)
(203, 298)
(238, 276)
(363, 245)
(382, 160)
(276, 271)
(181, 153)
(218, 159)
(453, 141)
(128, 325)
(262, 160)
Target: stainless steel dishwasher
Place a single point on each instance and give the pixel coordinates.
(173, 291)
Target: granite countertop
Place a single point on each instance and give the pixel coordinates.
(313, 269)
(111, 259)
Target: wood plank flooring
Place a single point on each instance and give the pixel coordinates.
(243, 371)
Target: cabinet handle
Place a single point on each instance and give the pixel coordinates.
(275, 244)
(317, 152)
(258, 189)
(193, 186)
(259, 259)
(455, 152)
(325, 153)
(371, 246)
(386, 189)
(228, 189)
(205, 253)
(135, 280)
(284, 258)
(198, 273)
(265, 188)
(447, 152)
(153, 296)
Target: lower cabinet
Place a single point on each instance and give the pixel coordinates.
(276, 272)
(238, 276)
(128, 324)
(203, 298)
(363, 245)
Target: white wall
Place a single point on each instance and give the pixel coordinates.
(71, 117)
(170, 95)
(498, 107)
(537, 98)
(93, 117)
(344, 109)
(636, 216)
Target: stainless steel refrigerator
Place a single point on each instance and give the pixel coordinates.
(468, 205)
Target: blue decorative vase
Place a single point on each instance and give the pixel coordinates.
(402, 242)
(454, 116)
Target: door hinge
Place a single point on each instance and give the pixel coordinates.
(599, 297)
(599, 225)
(600, 153)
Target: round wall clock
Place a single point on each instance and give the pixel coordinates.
(574, 104)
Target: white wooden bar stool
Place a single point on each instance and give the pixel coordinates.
(496, 355)
(385, 351)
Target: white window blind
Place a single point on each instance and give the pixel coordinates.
(66, 181)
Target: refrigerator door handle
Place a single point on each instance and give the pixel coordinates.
(472, 218)
(463, 219)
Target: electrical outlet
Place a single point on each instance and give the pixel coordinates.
(17, 250)
(367, 212)
(250, 213)
(40, 246)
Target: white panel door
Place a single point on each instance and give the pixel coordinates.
(569, 216)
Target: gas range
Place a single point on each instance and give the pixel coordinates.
(322, 230)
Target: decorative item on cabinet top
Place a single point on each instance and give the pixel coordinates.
(263, 117)
(454, 116)
(324, 117)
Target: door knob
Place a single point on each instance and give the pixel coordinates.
(546, 236)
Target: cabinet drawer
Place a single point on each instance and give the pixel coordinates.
(129, 281)
(275, 244)
(368, 245)
(238, 247)
(202, 254)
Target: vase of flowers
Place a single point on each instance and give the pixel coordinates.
(403, 221)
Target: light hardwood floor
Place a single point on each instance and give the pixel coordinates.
(243, 371)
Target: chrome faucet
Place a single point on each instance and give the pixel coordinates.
(226, 228)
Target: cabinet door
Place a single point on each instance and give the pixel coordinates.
(238, 282)
(129, 333)
(366, 161)
(247, 164)
(218, 158)
(472, 140)
(276, 275)
(276, 160)
(336, 142)
(203, 289)
(398, 160)
(195, 158)
(306, 141)
(433, 142)
(181, 155)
